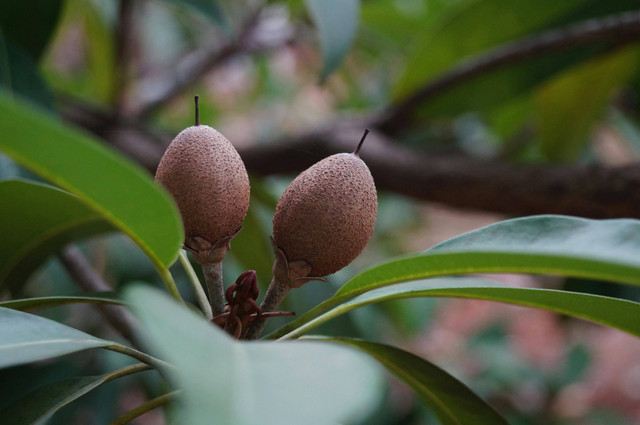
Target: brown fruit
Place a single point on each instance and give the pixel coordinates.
(208, 181)
(327, 214)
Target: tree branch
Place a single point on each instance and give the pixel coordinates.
(458, 180)
(88, 280)
(619, 29)
(196, 64)
(592, 191)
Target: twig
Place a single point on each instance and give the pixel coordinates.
(215, 286)
(124, 46)
(88, 280)
(272, 299)
(620, 29)
(192, 68)
(592, 191)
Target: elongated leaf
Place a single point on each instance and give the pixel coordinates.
(43, 302)
(26, 338)
(569, 246)
(117, 189)
(452, 401)
(229, 382)
(547, 244)
(38, 406)
(337, 23)
(617, 313)
(37, 220)
(555, 101)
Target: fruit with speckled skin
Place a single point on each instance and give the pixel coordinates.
(327, 214)
(207, 179)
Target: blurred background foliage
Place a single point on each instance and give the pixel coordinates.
(289, 77)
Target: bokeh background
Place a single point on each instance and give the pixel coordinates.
(480, 110)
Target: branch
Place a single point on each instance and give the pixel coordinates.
(196, 64)
(458, 180)
(620, 29)
(87, 279)
(124, 46)
(514, 189)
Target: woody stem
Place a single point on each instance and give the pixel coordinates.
(215, 286)
(275, 294)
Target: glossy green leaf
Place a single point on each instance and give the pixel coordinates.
(613, 312)
(560, 245)
(230, 382)
(337, 24)
(568, 246)
(452, 401)
(209, 8)
(109, 184)
(26, 338)
(45, 302)
(38, 406)
(37, 220)
(463, 31)
(556, 101)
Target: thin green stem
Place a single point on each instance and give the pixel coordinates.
(215, 286)
(307, 317)
(128, 370)
(317, 321)
(139, 355)
(203, 301)
(167, 278)
(144, 408)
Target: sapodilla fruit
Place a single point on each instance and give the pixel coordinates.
(327, 214)
(208, 181)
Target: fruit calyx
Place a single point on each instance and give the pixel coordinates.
(205, 252)
(295, 273)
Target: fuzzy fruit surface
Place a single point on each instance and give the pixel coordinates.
(206, 177)
(327, 214)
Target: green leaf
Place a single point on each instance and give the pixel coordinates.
(120, 191)
(337, 23)
(565, 99)
(225, 381)
(38, 406)
(452, 401)
(617, 313)
(37, 220)
(26, 338)
(44, 302)
(548, 244)
(463, 31)
(209, 8)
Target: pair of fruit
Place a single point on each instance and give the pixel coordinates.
(322, 222)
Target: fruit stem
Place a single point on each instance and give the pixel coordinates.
(213, 278)
(275, 294)
(203, 301)
(364, 136)
(197, 99)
